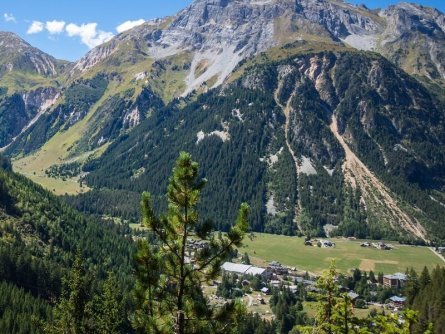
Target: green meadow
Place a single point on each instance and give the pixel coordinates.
(348, 254)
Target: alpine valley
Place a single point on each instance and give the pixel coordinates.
(294, 121)
(327, 118)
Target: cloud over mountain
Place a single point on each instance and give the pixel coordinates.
(127, 25)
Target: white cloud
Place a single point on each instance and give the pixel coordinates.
(9, 17)
(128, 25)
(35, 27)
(55, 27)
(88, 33)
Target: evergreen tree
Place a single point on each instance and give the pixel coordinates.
(411, 288)
(70, 314)
(108, 308)
(245, 259)
(424, 278)
(168, 289)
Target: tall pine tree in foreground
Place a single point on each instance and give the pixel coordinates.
(168, 276)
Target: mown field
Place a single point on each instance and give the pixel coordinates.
(347, 254)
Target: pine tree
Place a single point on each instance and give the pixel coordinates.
(411, 288)
(424, 278)
(70, 314)
(108, 308)
(334, 314)
(168, 289)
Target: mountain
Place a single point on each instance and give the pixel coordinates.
(317, 140)
(18, 56)
(28, 85)
(327, 117)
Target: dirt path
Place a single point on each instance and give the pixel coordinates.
(439, 255)
(286, 110)
(356, 173)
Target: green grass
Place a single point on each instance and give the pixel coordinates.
(311, 309)
(347, 254)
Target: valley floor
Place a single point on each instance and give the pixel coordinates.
(348, 255)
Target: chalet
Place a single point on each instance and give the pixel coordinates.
(396, 280)
(277, 268)
(398, 302)
(293, 288)
(275, 283)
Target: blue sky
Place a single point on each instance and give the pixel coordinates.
(68, 29)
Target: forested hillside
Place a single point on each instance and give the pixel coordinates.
(39, 239)
(268, 139)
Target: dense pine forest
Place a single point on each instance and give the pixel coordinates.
(39, 238)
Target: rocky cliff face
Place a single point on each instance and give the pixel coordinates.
(19, 112)
(221, 33)
(18, 55)
(414, 38)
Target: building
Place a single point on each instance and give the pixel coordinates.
(398, 302)
(326, 243)
(353, 296)
(243, 269)
(277, 268)
(396, 280)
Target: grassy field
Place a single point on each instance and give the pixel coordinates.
(311, 310)
(347, 254)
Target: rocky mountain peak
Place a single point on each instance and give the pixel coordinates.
(220, 33)
(16, 54)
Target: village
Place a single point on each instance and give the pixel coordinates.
(255, 285)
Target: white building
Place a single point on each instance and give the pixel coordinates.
(242, 269)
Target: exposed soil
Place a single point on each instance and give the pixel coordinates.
(357, 174)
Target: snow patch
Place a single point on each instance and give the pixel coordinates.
(330, 171)
(101, 141)
(140, 76)
(133, 117)
(437, 201)
(398, 147)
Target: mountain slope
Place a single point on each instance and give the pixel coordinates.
(28, 85)
(198, 49)
(287, 162)
(39, 238)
